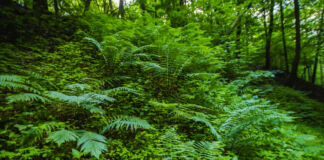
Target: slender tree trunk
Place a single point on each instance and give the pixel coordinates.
(142, 5)
(321, 71)
(111, 5)
(268, 41)
(235, 23)
(121, 8)
(26, 4)
(238, 34)
(182, 2)
(86, 6)
(105, 6)
(319, 44)
(283, 37)
(294, 70)
(40, 6)
(56, 7)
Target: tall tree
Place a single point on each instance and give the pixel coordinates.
(40, 6)
(283, 37)
(238, 34)
(111, 6)
(294, 69)
(268, 39)
(319, 45)
(121, 8)
(56, 7)
(86, 6)
(182, 2)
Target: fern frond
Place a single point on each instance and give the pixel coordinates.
(96, 98)
(95, 42)
(111, 81)
(26, 97)
(118, 90)
(94, 109)
(208, 150)
(62, 136)
(78, 87)
(208, 124)
(127, 122)
(33, 133)
(92, 143)
(11, 78)
(16, 86)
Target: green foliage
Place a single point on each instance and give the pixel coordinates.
(62, 136)
(127, 122)
(109, 87)
(92, 143)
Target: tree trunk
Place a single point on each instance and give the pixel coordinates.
(283, 37)
(40, 6)
(56, 7)
(142, 5)
(111, 5)
(268, 40)
(319, 44)
(182, 2)
(294, 70)
(121, 8)
(26, 4)
(321, 71)
(105, 6)
(238, 34)
(235, 23)
(86, 6)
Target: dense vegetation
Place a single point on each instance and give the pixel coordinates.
(161, 79)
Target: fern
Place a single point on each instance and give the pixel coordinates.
(95, 42)
(92, 143)
(174, 148)
(127, 122)
(212, 129)
(78, 87)
(209, 150)
(89, 142)
(33, 133)
(118, 90)
(26, 97)
(15, 82)
(62, 136)
(11, 78)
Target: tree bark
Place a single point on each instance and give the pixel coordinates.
(319, 44)
(238, 34)
(283, 37)
(121, 8)
(40, 6)
(321, 71)
(182, 2)
(235, 23)
(294, 70)
(268, 40)
(111, 5)
(86, 6)
(56, 7)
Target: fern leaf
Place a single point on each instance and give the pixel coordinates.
(78, 87)
(94, 109)
(92, 143)
(11, 78)
(212, 129)
(115, 91)
(95, 42)
(62, 136)
(26, 97)
(127, 122)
